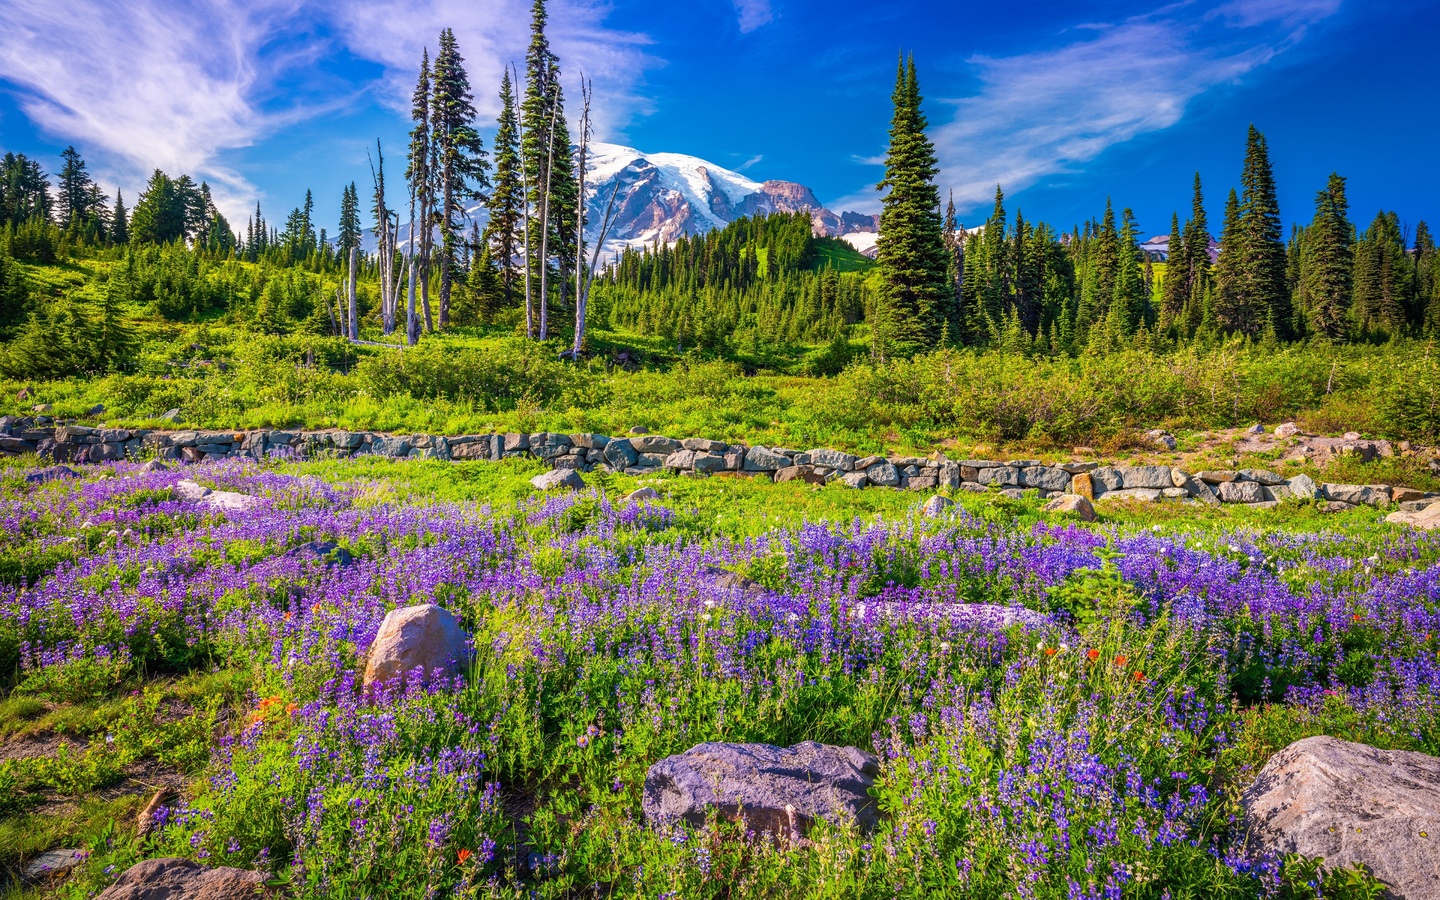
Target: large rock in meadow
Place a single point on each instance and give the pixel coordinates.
(780, 790)
(1358, 494)
(1242, 492)
(425, 636)
(936, 506)
(181, 879)
(558, 480)
(1351, 803)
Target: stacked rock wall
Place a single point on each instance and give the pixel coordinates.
(640, 454)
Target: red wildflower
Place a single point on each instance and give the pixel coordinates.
(1049, 651)
(1121, 661)
(1092, 654)
(462, 856)
(1139, 676)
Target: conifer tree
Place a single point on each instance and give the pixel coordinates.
(420, 174)
(911, 253)
(1257, 297)
(119, 222)
(1175, 291)
(1383, 277)
(462, 168)
(349, 233)
(1326, 263)
(1229, 308)
(1131, 300)
(160, 215)
(76, 190)
(502, 231)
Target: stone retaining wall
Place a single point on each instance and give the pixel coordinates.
(640, 454)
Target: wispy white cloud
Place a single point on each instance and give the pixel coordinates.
(1049, 111)
(175, 84)
(753, 14)
(752, 161)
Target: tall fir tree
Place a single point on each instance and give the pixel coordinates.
(1327, 263)
(421, 177)
(1228, 308)
(502, 231)
(462, 168)
(119, 222)
(1175, 290)
(76, 191)
(1257, 300)
(349, 233)
(911, 255)
(1383, 277)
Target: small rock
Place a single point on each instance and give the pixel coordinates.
(1261, 476)
(1072, 503)
(639, 429)
(936, 506)
(1350, 803)
(1405, 495)
(727, 582)
(332, 554)
(170, 415)
(779, 790)
(1161, 439)
(50, 473)
(53, 862)
(42, 408)
(1289, 429)
(1336, 506)
(1083, 485)
(1352, 435)
(642, 494)
(22, 395)
(94, 411)
(855, 479)
(558, 479)
(189, 491)
(1217, 477)
(1303, 487)
(1257, 428)
(154, 465)
(424, 636)
(181, 879)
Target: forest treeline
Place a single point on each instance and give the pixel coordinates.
(763, 288)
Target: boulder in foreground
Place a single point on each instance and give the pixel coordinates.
(780, 790)
(426, 636)
(1351, 803)
(181, 879)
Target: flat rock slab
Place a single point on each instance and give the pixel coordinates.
(424, 636)
(53, 862)
(181, 879)
(988, 616)
(1351, 803)
(780, 790)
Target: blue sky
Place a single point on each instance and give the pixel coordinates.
(1064, 103)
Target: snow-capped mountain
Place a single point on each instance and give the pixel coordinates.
(665, 196)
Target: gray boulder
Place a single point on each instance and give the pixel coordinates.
(1262, 476)
(654, 443)
(883, 474)
(1218, 477)
(1045, 478)
(1145, 495)
(1425, 519)
(426, 636)
(703, 445)
(558, 479)
(50, 473)
(1358, 494)
(936, 506)
(1105, 480)
(1001, 475)
(779, 790)
(1242, 492)
(833, 459)
(1162, 439)
(182, 879)
(620, 454)
(709, 462)
(1303, 487)
(325, 551)
(855, 479)
(758, 459)
(642, 494)
(1288, 429)
(1351, 803)
(1155, 477)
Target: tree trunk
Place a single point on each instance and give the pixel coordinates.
(354, 305)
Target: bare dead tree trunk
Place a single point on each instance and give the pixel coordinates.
(354, 304)
(385, 254)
